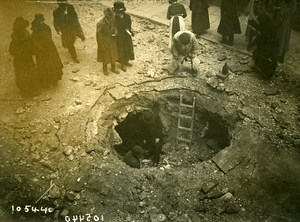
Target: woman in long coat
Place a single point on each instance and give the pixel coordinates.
(176, 14)
(22, 49)
(124, 36)
(200, 16)
(229, 23)
(106, 40)
(49, 65)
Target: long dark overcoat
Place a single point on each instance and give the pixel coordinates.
(49, 65)
(229, 23)
(67, 24)
(124, 39)
(22, 49)
(200, 17)
(107, 47)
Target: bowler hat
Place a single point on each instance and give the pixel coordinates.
(119, 7)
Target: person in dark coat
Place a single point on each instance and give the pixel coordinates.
(229, 23)
(200, 16)
(67, 25)
(176, 14)
(124, 35)
(266, 46)
(283, 20)
(22, 49)
(49, 65)
(106, 40)
(151, 133)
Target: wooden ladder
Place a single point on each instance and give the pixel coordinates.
(188, 119)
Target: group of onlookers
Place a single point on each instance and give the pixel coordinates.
(37, 63)
(268, 29)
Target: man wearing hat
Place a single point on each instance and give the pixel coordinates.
(49, 65)
(184, 48)
(67, 25)
(106, 40)
(124, 36)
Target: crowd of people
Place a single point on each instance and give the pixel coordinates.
(37, 62)
(268, 29)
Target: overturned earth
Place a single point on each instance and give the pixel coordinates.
(62, 150)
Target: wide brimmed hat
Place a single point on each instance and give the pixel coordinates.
(20, 23)
(39, 17)
(108, 12)
(119, 7)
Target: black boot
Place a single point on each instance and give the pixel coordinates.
(230, 40)
(105, 69)
(113, 68)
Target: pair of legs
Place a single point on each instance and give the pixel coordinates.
(228, 39)
(113, 68)
(68, 41)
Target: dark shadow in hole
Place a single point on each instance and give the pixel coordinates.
(143, 129)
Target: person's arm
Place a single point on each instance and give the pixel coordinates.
(195, 47)
(184, 14)
(174, 49)
(169, 16)
(56, 22)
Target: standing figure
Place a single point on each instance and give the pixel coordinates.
(200, 16)
(283, 20)
(151, 134)
(22, 49)
(266, 46)
(176, 13)
(106, 40)
(49, 65)
(229, 23)
(67, 25)
(124, 35)
(184, 47)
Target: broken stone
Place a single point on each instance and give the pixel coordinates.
(272, 92)
(201, 195)
(227, 196)
(68, 150)
(209, 185)
(244, 61)
(78, 102)
(130, 208)
(54, 193)
(231, 208)
(64, 213)
(222, 57)
(70, 196)
(89, 149)
(75, 70)
(157, 217)
(214, 194)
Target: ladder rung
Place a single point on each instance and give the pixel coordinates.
(184, 128)
(186, 105)
(185, 116)
(183, 139)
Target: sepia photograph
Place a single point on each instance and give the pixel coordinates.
(150, 111)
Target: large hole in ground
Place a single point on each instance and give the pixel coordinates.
(211, 132)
